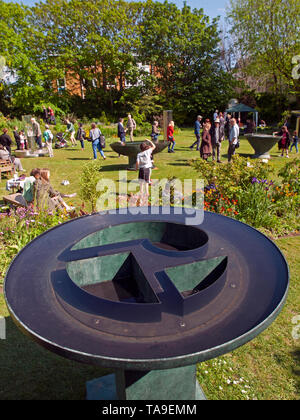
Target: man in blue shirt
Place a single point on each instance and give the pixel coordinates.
(233, 138)
(197, 133)
(295, 142)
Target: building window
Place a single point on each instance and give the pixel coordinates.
(61, 85)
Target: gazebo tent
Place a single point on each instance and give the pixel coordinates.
(243, 108)
(297, 114)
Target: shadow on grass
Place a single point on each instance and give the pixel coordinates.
(78, 158)
(296, 370)
(245, 155)
(296, 355)
(120, 167)
(29, 372)
(178, 164)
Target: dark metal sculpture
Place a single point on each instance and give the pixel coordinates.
(146, 295)
(262, 144)
(131, 149)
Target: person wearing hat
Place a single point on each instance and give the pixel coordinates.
(217, 136)
(197, 133)
(48, 137)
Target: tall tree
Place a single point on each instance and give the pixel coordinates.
(267, 37)
(183, 47)
(15, 27)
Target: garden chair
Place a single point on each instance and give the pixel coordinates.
(15, 200)
(6, 166)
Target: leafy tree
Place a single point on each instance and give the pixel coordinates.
(101, 44)
(267, 37)
(182, 46)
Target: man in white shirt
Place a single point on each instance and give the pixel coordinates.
(144, 165)
(131, 126)
(233, 138)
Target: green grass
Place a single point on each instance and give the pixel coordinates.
(67, 163)
(265, 368)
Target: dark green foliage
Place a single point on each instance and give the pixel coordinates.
(103, 47)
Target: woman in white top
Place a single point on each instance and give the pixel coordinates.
(4, 155)
(144, 165)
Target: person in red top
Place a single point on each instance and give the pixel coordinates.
(170, 137)
(285, 140)
(51, 115)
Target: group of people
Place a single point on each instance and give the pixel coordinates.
(130, 127)
(213, 134)
(38, 189)
(225, 126)
(287, 142)
(48, 115)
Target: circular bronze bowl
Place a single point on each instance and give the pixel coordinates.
(131, 149)
(147, 291)
(262, 144)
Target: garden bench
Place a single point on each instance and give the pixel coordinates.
(16, 200)
(6, 166)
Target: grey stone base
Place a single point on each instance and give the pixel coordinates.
(178, 384)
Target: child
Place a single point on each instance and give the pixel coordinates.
(144, 164)
(22, 140)
(295, 142)
(48, 137)
(170, 137)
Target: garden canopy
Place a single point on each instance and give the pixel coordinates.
(240, 108)
(244, 108)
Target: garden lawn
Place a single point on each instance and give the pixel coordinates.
(67, 163)
(265, 368)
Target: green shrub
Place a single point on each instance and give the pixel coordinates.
(89, 179)
(242, 190)
(233, 178)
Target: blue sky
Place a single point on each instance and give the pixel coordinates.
(212, 8)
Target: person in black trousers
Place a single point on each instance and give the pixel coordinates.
(17, 137)
(5, 140)
(45, 115)
(121, 131)
(81, 135)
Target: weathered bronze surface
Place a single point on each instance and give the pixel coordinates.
(147, 291)
(131, 149)
(262, 144)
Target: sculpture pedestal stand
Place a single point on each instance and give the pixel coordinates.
(33, 152)
(168, 384)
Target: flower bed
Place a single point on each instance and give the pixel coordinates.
(21, 226)
(243, 191)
